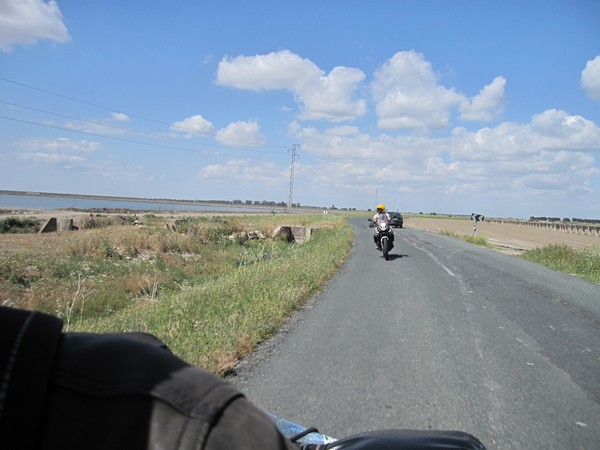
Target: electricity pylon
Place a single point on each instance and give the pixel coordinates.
(294, 156)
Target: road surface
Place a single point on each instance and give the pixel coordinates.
(445, 335)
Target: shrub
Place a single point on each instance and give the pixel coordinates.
(18, 225)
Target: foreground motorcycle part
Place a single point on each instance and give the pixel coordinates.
(406, 440)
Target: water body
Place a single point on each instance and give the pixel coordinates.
(46, 202)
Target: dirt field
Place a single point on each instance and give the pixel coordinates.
(508, 238)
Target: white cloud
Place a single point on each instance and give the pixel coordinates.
(406, 90)
(26, 21)
(65, 155)
(331, 97)
(241, 134)
(590, 78)
(238, 172)
(408, 95)
(196, 124)
(50, 158)
(558, 130)
(276, 70)
(550, 157)
(119, 117)
(551, 130)
(109, 126)
(487, 105)
(60, 144)
(342, 130)
(323, 97)
(348, 144)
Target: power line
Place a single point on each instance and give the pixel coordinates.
(108, 125)
(81, 101)
(106, 108)
(117, 127)
(129, 140)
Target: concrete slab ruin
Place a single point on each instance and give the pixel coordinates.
(295, 234)
(53, 224)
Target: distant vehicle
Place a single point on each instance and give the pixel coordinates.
(397, 219)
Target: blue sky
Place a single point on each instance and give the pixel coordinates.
(427, 106)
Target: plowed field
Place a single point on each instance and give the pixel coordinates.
(508, 238)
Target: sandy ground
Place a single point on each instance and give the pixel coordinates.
(508, 238)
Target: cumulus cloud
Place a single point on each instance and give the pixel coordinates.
(487, 105)
(551, 155)
(406, 90)
(558, 130)
(27, 21)
(323, 97)
(409, 95)
(241, 134)
(552, 130)
(331, 97)
(194, 125)
(276, 70)
(590, 78)
(342, 143)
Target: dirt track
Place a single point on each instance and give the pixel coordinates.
(508, 238)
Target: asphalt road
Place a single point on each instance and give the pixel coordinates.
(445, 335)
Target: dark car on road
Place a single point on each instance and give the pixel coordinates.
(397, 219)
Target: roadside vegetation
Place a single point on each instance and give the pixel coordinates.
(20, 225)
(199, 283)
(584, 263)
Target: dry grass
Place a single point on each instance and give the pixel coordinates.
(210, 298)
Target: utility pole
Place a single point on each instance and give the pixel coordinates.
(294, 156)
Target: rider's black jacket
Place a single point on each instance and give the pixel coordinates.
(114, 391)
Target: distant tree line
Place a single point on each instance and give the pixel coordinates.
(565, 220)
(273, 204)
(263, 203)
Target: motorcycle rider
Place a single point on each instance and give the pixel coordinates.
(380, 216)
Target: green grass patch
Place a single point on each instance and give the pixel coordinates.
(581, 263)
(19, 225)
(213, 324)
(209, 296)
(480, 240)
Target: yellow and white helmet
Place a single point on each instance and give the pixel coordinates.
(380, 207)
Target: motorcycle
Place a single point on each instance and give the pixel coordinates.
(311, 439)
(385, 235)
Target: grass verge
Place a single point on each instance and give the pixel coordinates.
(584, 263)
(480, 240)
(208, 293)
